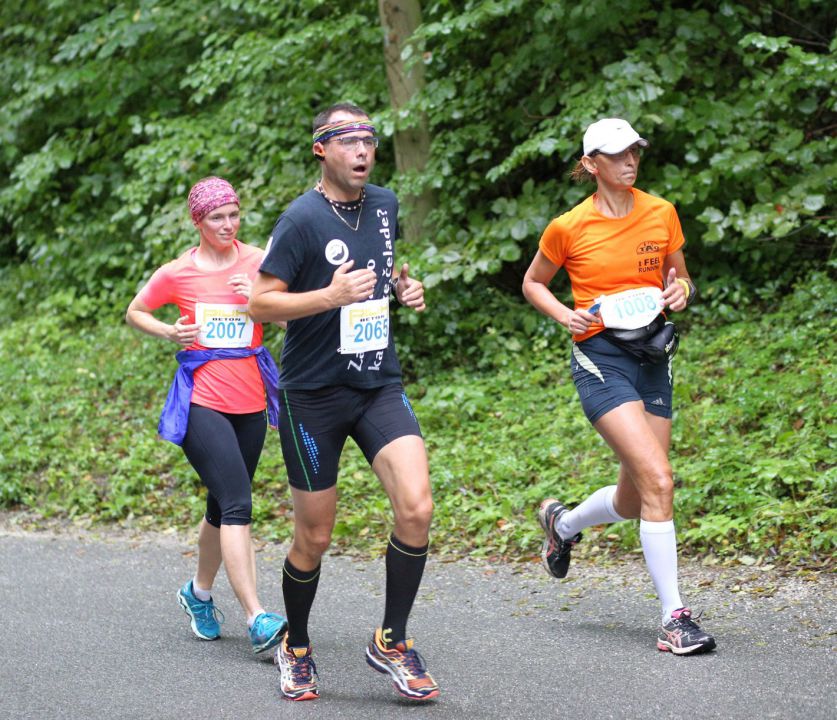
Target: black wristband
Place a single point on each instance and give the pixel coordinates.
(393, 285)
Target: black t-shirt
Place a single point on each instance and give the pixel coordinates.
(308, 243)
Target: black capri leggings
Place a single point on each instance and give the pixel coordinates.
(224, 449)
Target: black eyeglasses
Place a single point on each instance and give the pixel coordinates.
(351, 141)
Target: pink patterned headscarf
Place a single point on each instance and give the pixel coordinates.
(208, 194)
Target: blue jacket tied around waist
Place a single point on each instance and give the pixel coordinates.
(175, 416)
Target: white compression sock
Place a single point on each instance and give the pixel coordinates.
(595, 510)
(200, 594)
(659, 544)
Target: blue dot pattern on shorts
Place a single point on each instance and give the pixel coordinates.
(311, 447)
(408, 406)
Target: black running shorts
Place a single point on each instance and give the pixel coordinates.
(314, 425)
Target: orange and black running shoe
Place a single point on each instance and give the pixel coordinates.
(405, 666)
(298, 672)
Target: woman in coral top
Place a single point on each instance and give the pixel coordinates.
(622, 250)
(216, 405)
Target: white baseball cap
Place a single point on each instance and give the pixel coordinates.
(611, 136)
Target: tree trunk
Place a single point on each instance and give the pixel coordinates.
(399, 19)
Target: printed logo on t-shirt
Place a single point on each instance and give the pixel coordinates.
(646, 247)
(649, 259)
(336, 252)
(378, 324)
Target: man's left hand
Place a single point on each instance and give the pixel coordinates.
(409, 291)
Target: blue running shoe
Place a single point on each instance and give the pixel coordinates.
(205, 618)
(267, 631)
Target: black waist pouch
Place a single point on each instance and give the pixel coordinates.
(656, 342)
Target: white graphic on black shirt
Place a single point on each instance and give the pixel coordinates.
(385, 231)
(336, 252)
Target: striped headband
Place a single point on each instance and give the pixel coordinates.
(208, 194)
(340, 128)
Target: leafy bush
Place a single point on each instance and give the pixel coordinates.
(115, 110)
(753, 443)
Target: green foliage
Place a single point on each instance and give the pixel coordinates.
(120, 110)
(113, 111)
(741, 125)
(753, 445)
(769, 445)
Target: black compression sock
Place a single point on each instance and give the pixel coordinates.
(405, 566)
(298, 588)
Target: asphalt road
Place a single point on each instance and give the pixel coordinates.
(91, 629)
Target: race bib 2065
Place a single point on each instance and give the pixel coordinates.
(364, 326)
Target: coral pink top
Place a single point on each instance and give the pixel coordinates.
(230, 386)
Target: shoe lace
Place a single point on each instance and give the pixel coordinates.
(208, 612)
(688, 621)
(302, 669)
(413, 662)
(566, 546)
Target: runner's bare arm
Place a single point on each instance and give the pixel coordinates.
(139, 316)
(536, 291)
(270, 300)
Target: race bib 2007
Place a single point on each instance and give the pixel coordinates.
(630, 309)
(223, 325)
(364, 326)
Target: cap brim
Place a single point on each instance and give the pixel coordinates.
(615, 149)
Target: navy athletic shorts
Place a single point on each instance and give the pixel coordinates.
(314, 425)
(607, 376)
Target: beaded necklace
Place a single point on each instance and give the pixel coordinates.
(356, 206)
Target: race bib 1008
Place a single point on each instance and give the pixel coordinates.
(364, 326)
(224, 325)
(631, 309)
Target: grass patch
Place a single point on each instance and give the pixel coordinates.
(753, 443)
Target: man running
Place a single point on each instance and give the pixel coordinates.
(330, 272)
